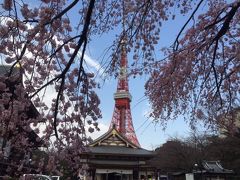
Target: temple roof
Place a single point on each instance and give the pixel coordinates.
(118, 150)
(113, 143)
(215, 167)
(113, 138)
(4, 69)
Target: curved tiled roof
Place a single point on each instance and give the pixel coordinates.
(118, 150)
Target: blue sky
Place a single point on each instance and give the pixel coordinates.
(150, 135)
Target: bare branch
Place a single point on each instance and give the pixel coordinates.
(176, 43)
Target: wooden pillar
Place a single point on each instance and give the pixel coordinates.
(135, 173)
(93, 172)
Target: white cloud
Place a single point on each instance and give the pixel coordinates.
(103, 129)
(93, 63)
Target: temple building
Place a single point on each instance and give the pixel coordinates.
(11, 156)
(117, 154)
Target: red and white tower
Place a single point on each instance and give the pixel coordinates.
(122, 118)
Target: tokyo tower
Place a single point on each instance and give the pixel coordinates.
(122, 118)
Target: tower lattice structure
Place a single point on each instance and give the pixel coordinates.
(122, 118)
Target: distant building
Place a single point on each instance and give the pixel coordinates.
(229, 124)
(208, 170)
(212, 170)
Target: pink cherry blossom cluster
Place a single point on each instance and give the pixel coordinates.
(38, 41)
(200, 76)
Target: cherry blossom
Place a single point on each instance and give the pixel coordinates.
(44, 49)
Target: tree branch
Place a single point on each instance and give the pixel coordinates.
(82, 39)
(176, 43)
(225, 26)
